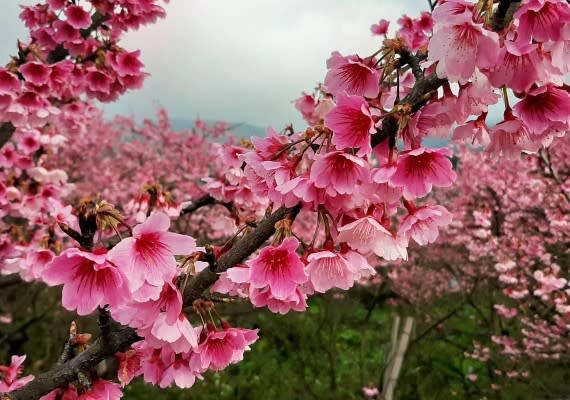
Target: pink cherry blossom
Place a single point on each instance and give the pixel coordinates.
(420, 169)
(381, 28)
(78, 17)
(338, 172)
(219, 348)
(351, 123)
(129, 366)
(462, 47)
(279, 268)
(89, 281)
(353, 75)
(542, 20)
(102, 389)
(327, 270)
(35, 73)
(519, 65)
(543, 109)
(509, 138)
(9, 82)
(296, 301)
(367, 234)
(422, 224)
(148, 256)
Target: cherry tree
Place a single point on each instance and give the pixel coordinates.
(137, 226)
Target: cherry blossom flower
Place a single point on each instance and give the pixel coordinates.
(367, 234)
(381, 28)
(129, 366)
(542, 20)
(544, 108)
(219, 348)
(327, 269)
(279, 268)
(89, 281)
(422, 224)
(148, 256)
(462, 47)
(353, 75)
(78, 17)
(351, 123)
(420, 169)
(338, 172)
(296, 301)
(102, 389)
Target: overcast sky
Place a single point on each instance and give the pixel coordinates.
(239, 60)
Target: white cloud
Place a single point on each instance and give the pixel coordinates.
(242, 60)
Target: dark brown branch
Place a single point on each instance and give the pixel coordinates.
(204, 201)
(413, 60)
(416, 98)
(62, 375)
(437, 323)
(6, 132)
(503, 14)
(544, 156)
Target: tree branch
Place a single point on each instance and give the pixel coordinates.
(203, 201)
(123, 338)
(6, 132)
(62, 375)
(503, 14)
(415, 98)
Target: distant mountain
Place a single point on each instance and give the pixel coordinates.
(241, 129)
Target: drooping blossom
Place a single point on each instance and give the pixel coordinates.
(222, 347)
(351, 123)
(510, 137)
(102, 389)
(542, 20)
(296, 301)
(367, 234)
(420, 169)
(329, 269)
(462, 47)
(519, 66)
(353, 75)
(543, 109)
(78, 17)
(89, 280)
(182, 371)
(148, 256)
(338, 172)
(422, 224)
(279, 268)
(181, 336)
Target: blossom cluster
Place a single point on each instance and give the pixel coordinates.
(356, 182)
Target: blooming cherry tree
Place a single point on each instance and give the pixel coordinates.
(274, 220)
